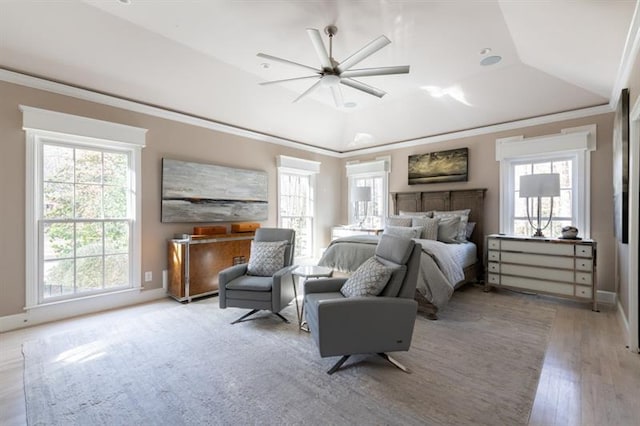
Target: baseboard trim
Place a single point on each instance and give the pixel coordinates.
(610, 297)
(72, 308)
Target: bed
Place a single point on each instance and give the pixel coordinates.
(438, 278)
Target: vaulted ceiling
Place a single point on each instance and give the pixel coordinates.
(199, 58)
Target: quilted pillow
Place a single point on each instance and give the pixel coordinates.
(403, 231)
(267, 257)
(429, 227)
(470, 227)
(368, 280)
(398, 221)
(462, 226)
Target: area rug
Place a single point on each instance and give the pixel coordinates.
(187, 365)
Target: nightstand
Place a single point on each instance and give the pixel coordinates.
(348, 231)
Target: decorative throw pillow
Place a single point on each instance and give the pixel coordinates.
(448, 229)
(267, 257)
(368, 280)
(403, 231)
(429, 225)
(462, 226)
(398, 221)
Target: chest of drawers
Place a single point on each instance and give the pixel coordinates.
(565, 268)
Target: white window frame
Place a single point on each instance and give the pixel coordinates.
(379, 168)
(299, 166)
(575, 143)
(43, 126)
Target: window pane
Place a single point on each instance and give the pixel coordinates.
(115, 202)
(88, 166)
(57, 164)
(116, 237)
(116, 271)
(88, 239)
(89, 274)
(58, 240)
(542, 168)
(562, 206)
(88, 202)
(296, 210)
(116, 169)
(57, 201)
(58, 278)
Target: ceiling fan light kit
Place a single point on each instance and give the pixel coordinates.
(332, 73)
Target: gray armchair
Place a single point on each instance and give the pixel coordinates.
(271, 293)
(359, 325)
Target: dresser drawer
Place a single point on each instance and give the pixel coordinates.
(584, 278)
(493, 267)
(538, 247)
(584, 264)
(538, 285)
(493, 256)
(493, 244)
(540, 273)
(584, 250)
(493, 279)
(584, 292)
(538, 260)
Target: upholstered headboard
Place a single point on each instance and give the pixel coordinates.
(422, 201)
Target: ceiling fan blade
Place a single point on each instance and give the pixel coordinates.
(264, 83)
(286, 61)
(318, 45)
(337, 95)
(402, 69)
(363, 87)
(309, 90)
(364, 53)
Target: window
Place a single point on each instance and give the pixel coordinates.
(375, 175)
(82, 207)
(296, 202)
(567, 154)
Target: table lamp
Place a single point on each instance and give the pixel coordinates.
(538, 186)
(362, 194)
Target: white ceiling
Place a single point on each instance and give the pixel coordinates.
(199, 57)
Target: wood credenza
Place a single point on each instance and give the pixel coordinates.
(195, 261)
(558, 267)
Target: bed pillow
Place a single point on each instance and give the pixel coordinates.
(267, 257)
(398, 221)
(464, 219)
(470, 227)
(403, 231)
(368, 280)
(416, 214)
(448, 229)
(430, 227)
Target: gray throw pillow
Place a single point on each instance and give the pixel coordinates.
(429, 225)
(368, 280)
(403, 231)
(448, 229)
(267, 257)
(462, 225)
(416, 214)
(398, 221)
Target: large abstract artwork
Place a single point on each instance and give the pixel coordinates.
(195, 192)
(441, 166)
(621, 168)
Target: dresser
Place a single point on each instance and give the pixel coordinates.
(195, 261)
(565, 268)
(348, 231)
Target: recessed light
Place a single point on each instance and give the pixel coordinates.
(125, 1)
(350, 104)
(490, 60)
(265, 65)
(485, 51)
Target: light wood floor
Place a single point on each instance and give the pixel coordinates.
(588, 377)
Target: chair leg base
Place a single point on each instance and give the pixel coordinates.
(394, 362)
(248, 314)
(338, 364)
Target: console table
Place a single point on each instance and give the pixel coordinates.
(565, 268)
(195, 261)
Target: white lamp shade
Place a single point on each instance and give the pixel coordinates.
(362, 193)
(540, 185)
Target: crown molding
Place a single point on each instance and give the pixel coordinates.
(33, 82)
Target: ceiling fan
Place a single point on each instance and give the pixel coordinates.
(332, 73)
